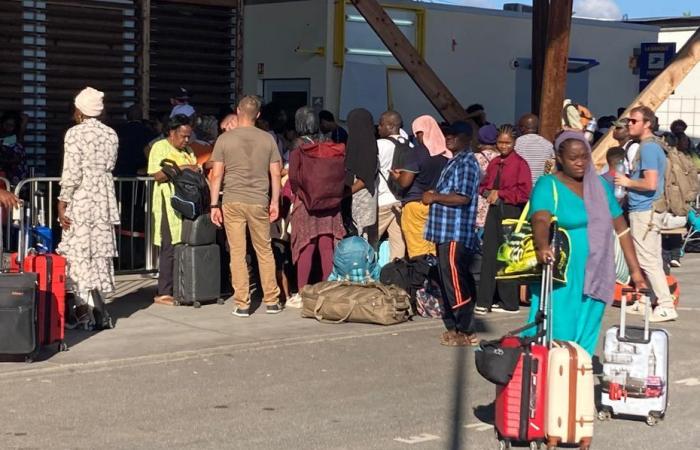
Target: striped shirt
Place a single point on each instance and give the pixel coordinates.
(535, 150)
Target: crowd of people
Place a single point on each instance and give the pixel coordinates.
(455, 186)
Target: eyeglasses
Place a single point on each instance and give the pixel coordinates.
(631, 121)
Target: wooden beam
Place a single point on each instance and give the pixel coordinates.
(145, 62)
(540, 15)
(555, 65)
(657, 91)
(427, 81)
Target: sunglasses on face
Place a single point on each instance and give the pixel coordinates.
(631, 121)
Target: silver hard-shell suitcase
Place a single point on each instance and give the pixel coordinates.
(635, 370)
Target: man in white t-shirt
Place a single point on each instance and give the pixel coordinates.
(389, 217)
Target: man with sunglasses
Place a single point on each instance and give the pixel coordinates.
(644, 186)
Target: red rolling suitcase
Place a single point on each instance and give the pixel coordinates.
(51, 292)
(520, 404)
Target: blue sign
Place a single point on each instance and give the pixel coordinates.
(653, 59)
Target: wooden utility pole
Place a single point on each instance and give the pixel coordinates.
(555, 65)
(540, 15)
(427, 81)
(658, 90)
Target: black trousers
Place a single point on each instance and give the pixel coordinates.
(490, 290)
(166, 261)
(457, 285)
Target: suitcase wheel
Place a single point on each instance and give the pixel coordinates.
(652, 420)
(604, 414)
(220, 301)
(197, 305)
(176, 302)
(62, 346)
(534, 445)
(503, 444)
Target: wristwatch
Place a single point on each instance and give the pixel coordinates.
(215, 206)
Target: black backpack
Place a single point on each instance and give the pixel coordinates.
(191, 196)
(410, 275)
(401, 153)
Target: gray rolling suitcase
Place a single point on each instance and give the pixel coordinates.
(197, 276)
(635, 370)
(200, 231)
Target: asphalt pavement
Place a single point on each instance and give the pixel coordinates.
(178, 377)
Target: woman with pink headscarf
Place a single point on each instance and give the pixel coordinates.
(420, 174)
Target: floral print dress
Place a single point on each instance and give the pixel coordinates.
(89, 245)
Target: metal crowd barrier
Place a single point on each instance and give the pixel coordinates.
(137, 254)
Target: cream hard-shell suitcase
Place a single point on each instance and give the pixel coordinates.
(570, 405)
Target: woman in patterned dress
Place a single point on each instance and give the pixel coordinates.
(87, 210)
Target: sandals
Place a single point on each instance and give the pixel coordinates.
(452, 338)
(168, 300)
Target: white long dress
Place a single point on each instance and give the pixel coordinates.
(89, 245)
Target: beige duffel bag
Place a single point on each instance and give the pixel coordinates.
(343, 301)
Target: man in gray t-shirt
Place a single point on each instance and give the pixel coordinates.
(248, 161)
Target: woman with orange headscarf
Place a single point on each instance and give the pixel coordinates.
(420, 174)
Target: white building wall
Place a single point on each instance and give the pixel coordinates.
(684, 103)
(272, 32)
(477, 70)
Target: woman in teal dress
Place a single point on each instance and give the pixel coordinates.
(586, 208)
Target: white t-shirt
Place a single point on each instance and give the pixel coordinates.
(385, 153)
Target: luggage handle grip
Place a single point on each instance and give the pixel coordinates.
(623, 310)
(319, 317)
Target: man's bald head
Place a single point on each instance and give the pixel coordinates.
(229, 122)
(529, 124)
(389, 124)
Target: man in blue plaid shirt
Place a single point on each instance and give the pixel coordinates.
(452, 227)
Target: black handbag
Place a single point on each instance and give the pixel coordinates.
(497, 363)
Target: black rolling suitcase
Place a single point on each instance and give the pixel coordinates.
(197, 276)
(18, 313)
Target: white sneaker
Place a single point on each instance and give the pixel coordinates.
(636, 309)
(675, 263)
(480, 310)
(663, 315)
(294, 301)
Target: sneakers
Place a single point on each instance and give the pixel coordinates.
(661, 314)
(499, 309)
(274, 308)
(675, 263)
(636, 309)
(480, 310)
(241, 312)
(294, 301)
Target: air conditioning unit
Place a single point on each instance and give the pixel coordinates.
(517, 7)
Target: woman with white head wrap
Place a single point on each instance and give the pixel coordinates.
(87, 210)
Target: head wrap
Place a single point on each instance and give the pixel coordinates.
(90, 102)
(433, 139)
(600, 266)
(488, 134)
(361, 149)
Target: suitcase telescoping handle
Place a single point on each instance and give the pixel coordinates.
(623, 310)
(545, 306)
